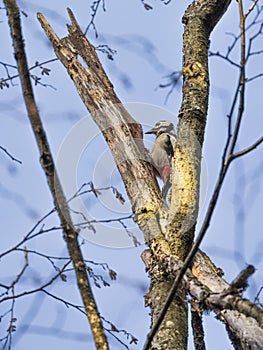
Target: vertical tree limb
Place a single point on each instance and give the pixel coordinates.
(198, 329)
(47, 162)
(200, 19)
(173, 332)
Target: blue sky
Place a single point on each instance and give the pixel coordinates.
(149, 47)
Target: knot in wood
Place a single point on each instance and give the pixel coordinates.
(80, 265)
(196, 71)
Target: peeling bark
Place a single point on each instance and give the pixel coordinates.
(122, 133)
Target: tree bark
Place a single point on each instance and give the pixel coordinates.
(122, 133)
(200, 19)
(173, 332)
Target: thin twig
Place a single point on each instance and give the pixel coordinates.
(12, 77)
(248, 149)
(10, 155)
(94, 10)
(41, 288)
(242, 78)
(255, 77)
(250, 9)
(225, 57)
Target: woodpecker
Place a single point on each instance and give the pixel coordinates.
(162, 151)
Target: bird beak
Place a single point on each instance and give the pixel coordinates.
(152, 131)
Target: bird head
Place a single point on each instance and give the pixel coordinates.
(161, 127)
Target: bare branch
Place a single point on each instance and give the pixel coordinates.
(10, 77)
(22, 271)
(225, 57)
(113, 329)
(10, 155)
(259, 52)
(12, 326)
(115, 123)
(255, 77)
(242, 78)
(33, 291)
(241, 281)
(70, 234)
(251, 41)
(30, 235)
(247, 150)
(197, 326)
(251, 8)
(94, 10)
(257, 301)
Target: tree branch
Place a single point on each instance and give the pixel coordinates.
(210, 292)
(200, 19)
(115, 123)
(198, 329)
(70, 234)
(251, 8)
(248, 149)
(10, 155)
(227, 159)
(242, 77)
